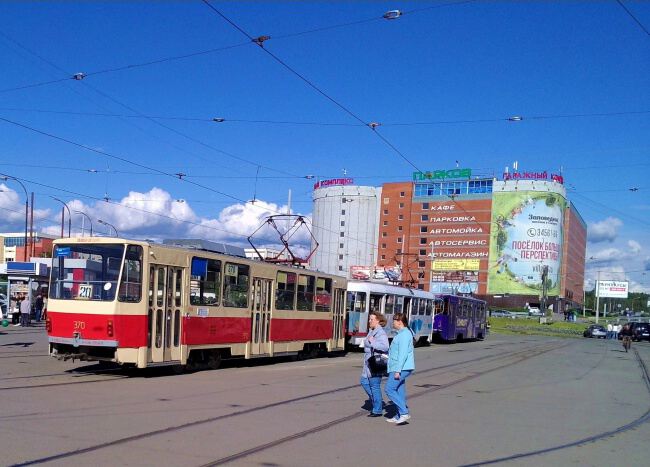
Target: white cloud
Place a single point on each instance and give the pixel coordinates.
(635, 247)
(156, 214)
(604, 231)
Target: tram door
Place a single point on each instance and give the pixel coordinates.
(261, 315)
(165, 299)
(338, 318)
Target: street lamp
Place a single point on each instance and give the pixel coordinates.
(63, 216)
(108, 225)
(86, 216)
(6, 177)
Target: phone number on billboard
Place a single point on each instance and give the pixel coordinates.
(533, 232)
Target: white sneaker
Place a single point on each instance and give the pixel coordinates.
(17, 324)
(392, 420)
(403, 419)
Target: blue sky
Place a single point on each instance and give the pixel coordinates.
(476, 62)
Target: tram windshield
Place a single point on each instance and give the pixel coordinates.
(91, 272)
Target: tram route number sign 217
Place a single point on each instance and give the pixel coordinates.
(85, 291)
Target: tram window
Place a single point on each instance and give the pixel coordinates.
(159, 319)
(205, 283)
(375, 303)
(168, 329)
(390, 304)
(429, 310)
(177, 290)
(437, 307)
(306, 292)
(235, 285)
(161, 287)
(399, 305)
(149, 325)
(422, 308)
(151, 270)
(285, 293)
(323, 294)
(356, 302)
(177, 327)
(131, 284)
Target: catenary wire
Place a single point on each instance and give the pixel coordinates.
(220, 49)
(639, 23)
(312, 85)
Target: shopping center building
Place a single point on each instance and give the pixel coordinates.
(512, 240)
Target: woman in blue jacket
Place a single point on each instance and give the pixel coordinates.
(401, 364)
(376, 340)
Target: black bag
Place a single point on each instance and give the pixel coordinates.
(377, 363)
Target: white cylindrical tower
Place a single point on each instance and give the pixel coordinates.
(345, 224)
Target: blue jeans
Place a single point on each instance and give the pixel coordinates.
(372, 386)
(396, 391)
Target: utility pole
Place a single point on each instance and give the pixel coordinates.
(597, 295)
(544, 288)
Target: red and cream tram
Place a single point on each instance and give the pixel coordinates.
(146, 304)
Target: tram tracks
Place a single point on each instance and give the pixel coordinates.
(590, 439)
(510, 358)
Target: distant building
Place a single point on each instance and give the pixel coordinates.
(345, 219)
(13, 246)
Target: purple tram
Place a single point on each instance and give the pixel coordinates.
(460, 318)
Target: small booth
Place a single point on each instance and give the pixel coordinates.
(24, 280)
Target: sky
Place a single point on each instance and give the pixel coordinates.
(134, 143)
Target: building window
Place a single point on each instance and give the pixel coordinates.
(340, 256)
(401, 205)
(342, 234)
(399, 228)
(399, 251)
(383, 245)
(421, 286)
(343, 212)
(425, 206)
(342, 223)
(385, 212)
(344, 200)
(400, 217)
(420, 275)
(399, 239)
(423, 252)
(425, 217)
(383, 256)
(386, 200)
(384, 234)
(341, 245)
(423, 241)
(420, 264)
(385, 223)
(401, 194)
(423, 229)
(340, 268)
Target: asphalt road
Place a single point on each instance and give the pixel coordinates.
(508, 400)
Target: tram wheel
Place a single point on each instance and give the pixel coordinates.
(214, 361)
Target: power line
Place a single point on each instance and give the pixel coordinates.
(223, 119)
(260, 42)
(214, 50)
(633, 17)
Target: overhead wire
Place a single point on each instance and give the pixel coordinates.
(639, 23)
(372, 126)
(219, 49)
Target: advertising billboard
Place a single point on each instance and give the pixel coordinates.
(376, 273)
(526, 235)
(612, 289)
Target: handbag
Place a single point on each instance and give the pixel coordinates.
(378, 362)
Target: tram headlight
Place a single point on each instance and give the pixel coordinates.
(48, 324)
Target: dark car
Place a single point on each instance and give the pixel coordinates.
(501, 314)
(640, 331)
(595, 330)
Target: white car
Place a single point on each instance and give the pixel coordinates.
(534, 311)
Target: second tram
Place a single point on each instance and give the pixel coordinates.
(461, 318)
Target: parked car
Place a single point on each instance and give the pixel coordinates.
(640, 331)
(595, 330)
(501, 314)
(534, 311)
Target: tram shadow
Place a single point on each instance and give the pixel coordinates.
(110, 368)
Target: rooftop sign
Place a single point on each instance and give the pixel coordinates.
(442, 174)
(333, 182)
(533, 176)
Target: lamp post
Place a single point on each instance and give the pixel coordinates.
(86, 216)
(63, 216)
(108, 225)
(6, 177)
